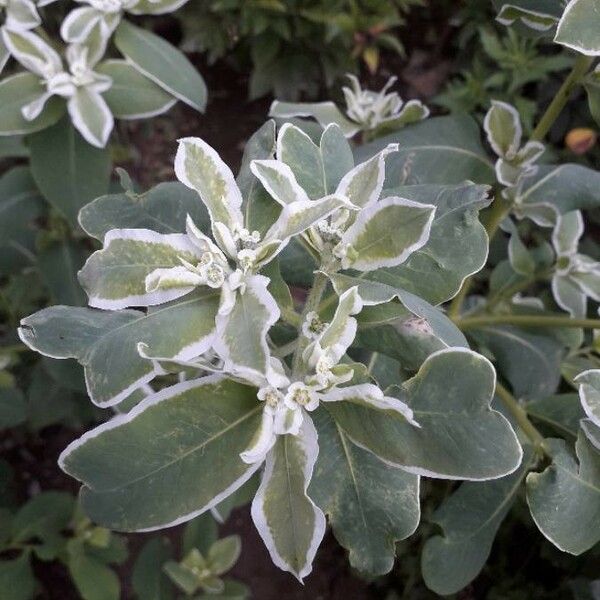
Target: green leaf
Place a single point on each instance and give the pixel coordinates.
(557, 190)
(147, 578)
(539, 15)
(93, 579)
(457, 246)
(564, 499)
(17, 581)
(370, 505)
(589, 392)
(241, 339)
(115, 277)
(58, 265)
(386, 234)
(200, 167)
(529, 360)
(317, 169)
(323, 112)
(441, 150)
(42, 520)
(186, 438)
(132, 95)
(288, 521)
(201, 533)
(259, 209)
(469, 520)
(106, 343)
(13, 410)
(162, 63)
(409, 331)
(68, 171)
(162, 208)
(578, 27)
(19, 90)
(561, 412)
(460, 436)
(503, 128)
(20, 206)
(223, 554)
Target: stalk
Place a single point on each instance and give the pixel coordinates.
(520, 416)
(526, 321)
(579, 70)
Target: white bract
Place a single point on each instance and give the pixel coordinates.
(103, 16)
(79, 84)
(16, 15)
(366, 234)
(366, 110)
(576, 276)
(502, 125)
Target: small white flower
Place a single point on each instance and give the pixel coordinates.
(301, 395)
(313, 327)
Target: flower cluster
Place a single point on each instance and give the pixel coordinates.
(70, 68)
(374, 113)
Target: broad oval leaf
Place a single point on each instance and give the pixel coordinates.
(162, 208)
(442, 150)
(289, 522)
(131, 94)
(19, 90)
(115, 277)
(460, 436)
(564, 499)
(69, 171)
(173, 457)
(456, 248)
(469, 518)
(578, 27)
(162, 63)
(106, 343)
(370, 504)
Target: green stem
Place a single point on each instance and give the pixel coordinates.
(290, 316)
(520, 416)
(311, 304)
(285, 350)
(511, 290)
(498, 211)
(579, 70)
(526, 321)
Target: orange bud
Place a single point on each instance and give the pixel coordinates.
(580, 140)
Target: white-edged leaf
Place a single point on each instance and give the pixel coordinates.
(115, 277)
(279, 181)
(173, 457)
(578, 27)
(459, 435)
(502, 125)
(91, 116)
(289, 522)
(323, 112)
(589, 393)
(199, 166)
(106, 343)
(162, 63)
(131, 94)
(242, 333)
(387, 233)
(564, 499)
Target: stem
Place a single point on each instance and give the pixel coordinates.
(290, 316)
(526, 321)
(580, 68)
(511, 290)
(285, 350)
(498, 211)
(311, 304)
(520, 416)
